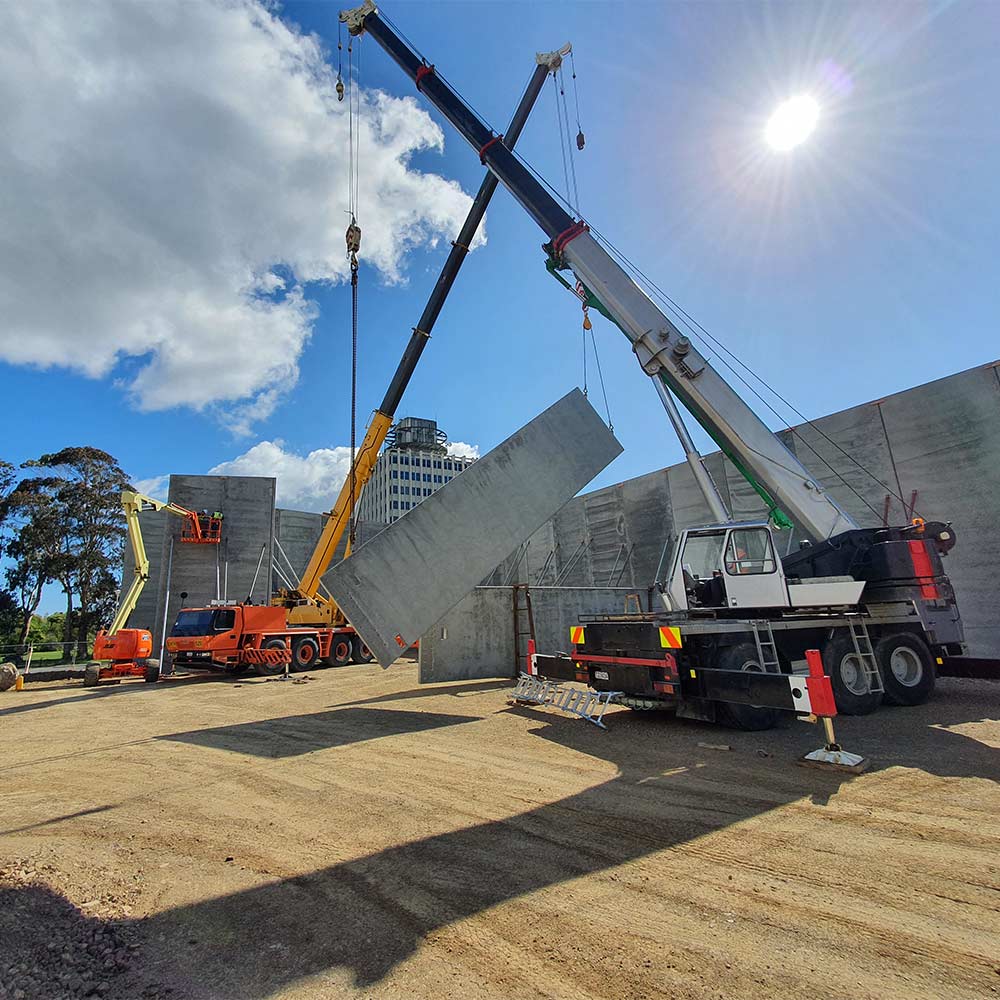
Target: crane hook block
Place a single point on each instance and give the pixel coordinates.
(581, 140)
(353, 237)
(340, 89)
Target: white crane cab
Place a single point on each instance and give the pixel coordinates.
(737, 566)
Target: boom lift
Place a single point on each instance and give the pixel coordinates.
(304, 623)
(735, 617)
(127, 650)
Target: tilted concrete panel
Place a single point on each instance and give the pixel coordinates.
(400, 583)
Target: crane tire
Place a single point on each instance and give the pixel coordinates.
(907, 668)
(850, 689)
(271, 669)
(152, 672)
(360, 653)
(305, 652)
(91, 675)
(750, 718)
(340, 650)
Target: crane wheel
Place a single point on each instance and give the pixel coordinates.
(907, 668)
(271, 669)
(847, 676)
(340, 651)
(360, 653)
(305, 652)
(91, 675)
(744, 656)
(152, 674)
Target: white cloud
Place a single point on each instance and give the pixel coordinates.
(174, 175)
(155, 487)
(463, 450)
(304, 482)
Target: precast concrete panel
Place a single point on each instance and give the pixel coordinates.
(860, 480)
(945, 438)
(648, 522)
(572, 547)
(396, 586)
(247, 503)
(475, 639)
(606, 529)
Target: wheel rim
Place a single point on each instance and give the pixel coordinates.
(304, 655)
(852, 675)
(342, 650)
(753, 667)
(906, 666)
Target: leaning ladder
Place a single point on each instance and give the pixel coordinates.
(589, 705)
(767, 650)
(524, 625)
(866, 655)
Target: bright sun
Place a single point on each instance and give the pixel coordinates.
(792, 123)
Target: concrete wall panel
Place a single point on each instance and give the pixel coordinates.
(476, 638)
(472, 523)
(945, 437)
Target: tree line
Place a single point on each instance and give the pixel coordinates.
(61, 523)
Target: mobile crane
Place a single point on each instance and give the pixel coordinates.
(126, 651)
(303, 625)
(735, 617)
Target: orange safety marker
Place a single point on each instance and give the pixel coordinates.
(576, 635)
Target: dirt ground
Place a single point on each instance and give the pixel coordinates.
(357, 835)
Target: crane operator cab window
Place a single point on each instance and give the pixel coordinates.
(749, 551)
(702, 563)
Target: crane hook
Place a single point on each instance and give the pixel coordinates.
(580, 140)
(340, 89)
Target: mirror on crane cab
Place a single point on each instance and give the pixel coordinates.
(727, 566)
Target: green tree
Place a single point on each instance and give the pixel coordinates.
(85, 486)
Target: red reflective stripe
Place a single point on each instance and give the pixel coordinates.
(482, 152)
(422, 71)
(531, 657)
(923, 570)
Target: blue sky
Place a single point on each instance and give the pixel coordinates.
(861, 263)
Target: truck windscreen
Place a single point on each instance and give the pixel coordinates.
(193, 623)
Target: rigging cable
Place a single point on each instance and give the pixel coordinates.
(569, 147)
(353, 240)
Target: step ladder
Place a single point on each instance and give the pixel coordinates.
(866, 655)
(767, 650)
(589, 705)
(524, 625)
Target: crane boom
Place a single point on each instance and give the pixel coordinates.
(317, 607)
(661, 348)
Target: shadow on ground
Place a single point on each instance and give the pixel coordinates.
(299, 734)
(369, 915)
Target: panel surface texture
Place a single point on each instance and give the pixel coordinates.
(400, 583)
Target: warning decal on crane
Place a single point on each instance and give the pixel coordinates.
(576, 635)
(670, 637)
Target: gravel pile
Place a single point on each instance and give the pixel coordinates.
(53, 949)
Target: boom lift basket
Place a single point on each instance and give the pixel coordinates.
(202, 529)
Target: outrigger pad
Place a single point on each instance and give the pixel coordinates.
(398, 584)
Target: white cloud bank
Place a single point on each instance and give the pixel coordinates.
(173, 175)
(305, 482)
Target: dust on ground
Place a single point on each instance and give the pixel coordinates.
(358, 835)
